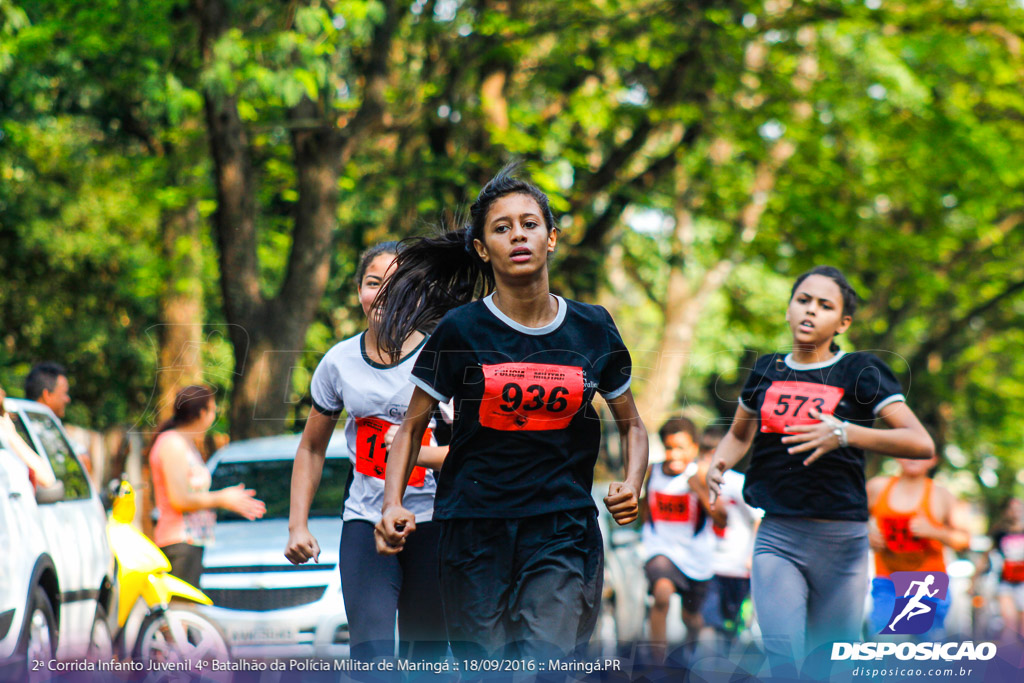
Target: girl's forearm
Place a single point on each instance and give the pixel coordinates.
(402, 458)
(729, 451)
(190, 501)
(957, 539)
(405, 449)
(635, 447)
(431, 456)
(902, 442)
(306, 472)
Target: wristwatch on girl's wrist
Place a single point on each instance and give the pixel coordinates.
(840, 431)
(838, 428)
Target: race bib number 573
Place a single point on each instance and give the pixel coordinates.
(787, 404)
(530, 396)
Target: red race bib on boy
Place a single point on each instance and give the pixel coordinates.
(1012, 547)
(788, 404)
(669, 508)
(372, 453)
(530, 396)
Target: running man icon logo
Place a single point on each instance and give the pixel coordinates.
(914, 612)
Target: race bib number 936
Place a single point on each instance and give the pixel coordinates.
(530, 396)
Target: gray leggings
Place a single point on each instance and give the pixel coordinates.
(809, 581)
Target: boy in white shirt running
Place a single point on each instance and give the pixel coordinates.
(677, 533)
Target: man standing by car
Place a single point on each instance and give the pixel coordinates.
(47, 383)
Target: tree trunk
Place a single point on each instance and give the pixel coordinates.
(267, 334)
(262, 397)
(682, 309)
(684, 303)
(260, 400)
(181, 308)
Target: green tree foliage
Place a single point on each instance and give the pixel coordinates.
(901, 173)
(74, 254)
(700, 155)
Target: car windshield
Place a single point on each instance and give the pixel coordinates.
(272, 481)
(65, 465)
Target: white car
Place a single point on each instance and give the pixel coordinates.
(267, 606)
(56, 567)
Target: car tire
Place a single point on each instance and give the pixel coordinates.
(101, 640)
(38, 641)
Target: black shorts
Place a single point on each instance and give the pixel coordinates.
(186, 561)
(724, 600)
(527, 587)
(691, 590)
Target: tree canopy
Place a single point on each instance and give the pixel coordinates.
(699, 156)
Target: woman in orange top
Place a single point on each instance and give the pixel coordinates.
(181, 485)
(912, 518)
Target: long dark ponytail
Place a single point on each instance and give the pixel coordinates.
(849, 295)
(437, 273)
(433, 274)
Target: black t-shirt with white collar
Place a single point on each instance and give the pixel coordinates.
(525, 437)
(854, 387)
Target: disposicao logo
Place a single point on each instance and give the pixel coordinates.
(914, 612)
(917, 594)
(947, 652)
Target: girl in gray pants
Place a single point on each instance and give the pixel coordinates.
(810, 416)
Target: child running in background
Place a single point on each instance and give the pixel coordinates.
(734, 547)
(912, 518)
(521, 555)
(1008, 545)
(677, 534)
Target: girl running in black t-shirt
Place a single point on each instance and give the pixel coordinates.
(809, 415)
(520, 552)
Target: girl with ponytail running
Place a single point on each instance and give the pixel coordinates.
(520, 551)
(375, 392)
(810, 416)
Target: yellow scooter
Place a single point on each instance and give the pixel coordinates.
(153, 625)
